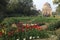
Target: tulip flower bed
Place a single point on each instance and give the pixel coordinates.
(19, 31)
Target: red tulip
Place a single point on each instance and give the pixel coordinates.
(39, 28)
(23, 29)
(10, 33)
(18, 25)
(35, 26)
(30, 27)
(27, 26)
(1, 34)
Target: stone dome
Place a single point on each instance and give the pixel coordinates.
(47, 10)
(47, 5)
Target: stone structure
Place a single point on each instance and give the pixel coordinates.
(47, 10)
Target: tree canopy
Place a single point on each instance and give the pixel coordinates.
(17, 8)
(3, 4)
(20, 7)
(58, 3)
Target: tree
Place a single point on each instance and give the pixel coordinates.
(58, 3)
(3, 4)
(22, 7)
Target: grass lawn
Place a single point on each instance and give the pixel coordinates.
(35, 19)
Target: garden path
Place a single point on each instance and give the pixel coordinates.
(53, 37)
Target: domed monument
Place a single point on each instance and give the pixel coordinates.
(47, 10)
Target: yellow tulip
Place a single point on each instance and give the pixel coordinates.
(3, 31)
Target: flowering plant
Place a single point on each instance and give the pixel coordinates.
(21, 31)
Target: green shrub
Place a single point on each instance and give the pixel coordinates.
(54, 26)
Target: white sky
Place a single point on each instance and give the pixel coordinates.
(39, 4)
